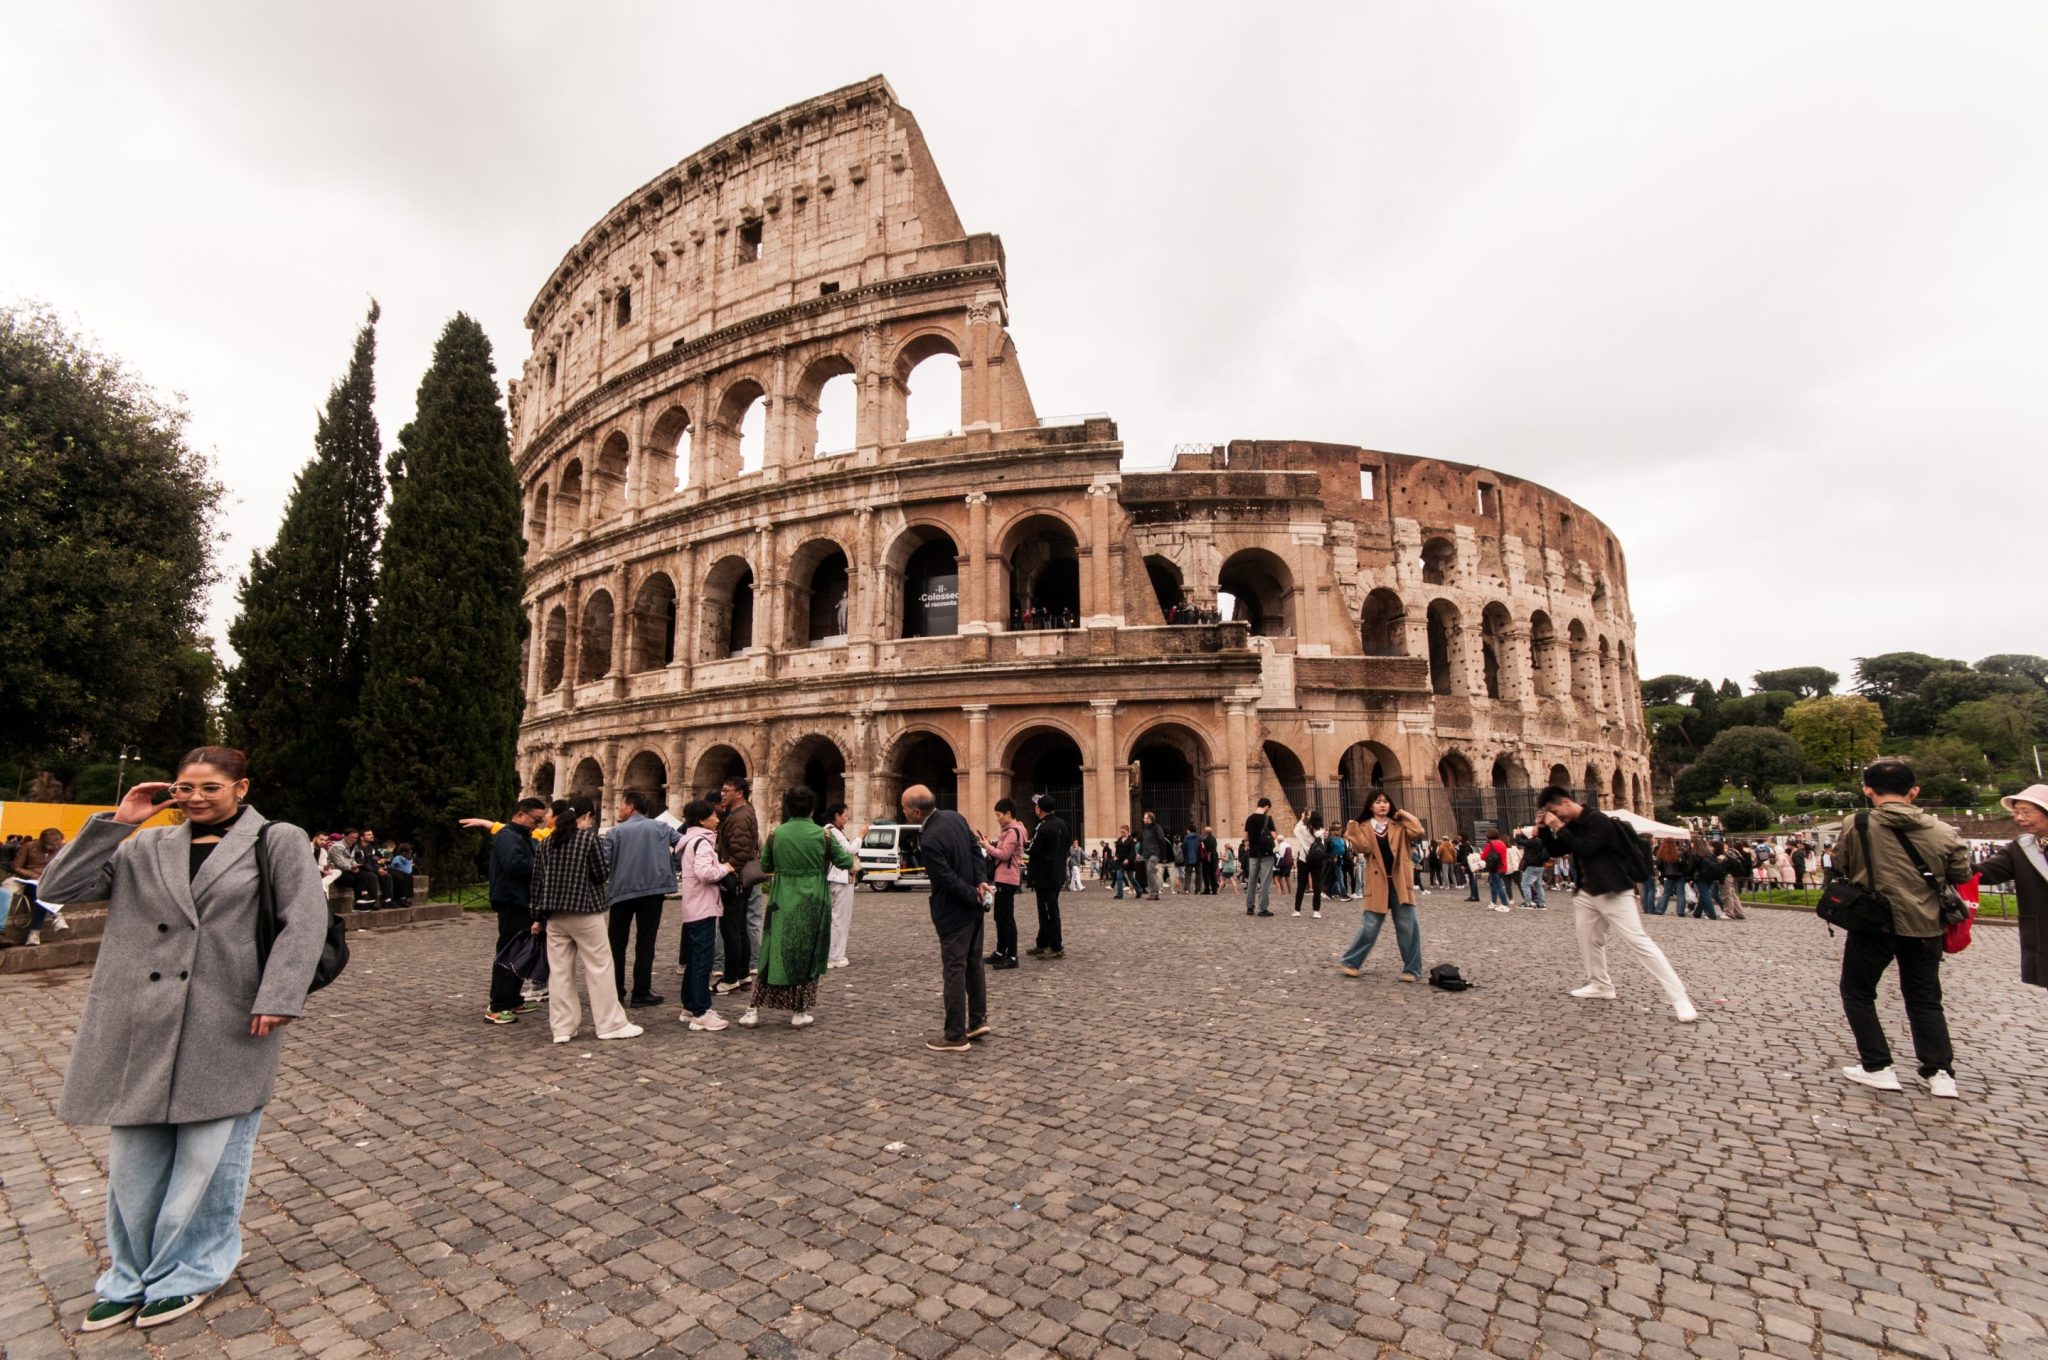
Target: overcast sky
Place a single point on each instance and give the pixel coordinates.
(1762, 285)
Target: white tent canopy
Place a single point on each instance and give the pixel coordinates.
(1649, 827)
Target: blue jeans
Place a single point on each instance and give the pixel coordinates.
(1258, 884)
(174, 1207)
(1706, 893)
(1472, 882)
(1497, 887)
(1532, 885)
(1407, 933)
(1116, 876)
(700, 942)
(1672, 889)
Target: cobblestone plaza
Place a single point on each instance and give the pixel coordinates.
(1192, 1136)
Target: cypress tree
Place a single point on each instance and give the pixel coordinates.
(302, 636)
(440, 708)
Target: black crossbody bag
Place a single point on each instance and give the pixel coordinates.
(333, 954)
(1846, 903)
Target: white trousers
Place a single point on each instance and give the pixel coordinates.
(580, 939)
(1615, 914)
(842, 920)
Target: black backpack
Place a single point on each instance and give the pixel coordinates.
(1642, 865)
(333, 954)
(1446, 977)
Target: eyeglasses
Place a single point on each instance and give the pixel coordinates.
(187, 790)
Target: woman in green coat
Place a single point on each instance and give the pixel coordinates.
(796, 938)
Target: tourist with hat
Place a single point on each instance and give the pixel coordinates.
(2024, 864)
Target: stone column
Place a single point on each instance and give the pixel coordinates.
(868, 432)
(703, 439)
(622, 630)
(860, 776)
(1237, 754)
(1517, 667)
(976, 802)
(779, 453)
(1099, 599)
(572, 641)
(982, 337)
(1103, 811)
(863, 618)
(974, 584)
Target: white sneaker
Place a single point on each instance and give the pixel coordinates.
(59, 923)
(1687, 1013)
(1943, 1085)
(629, 1030)
(36, 936)
(1297, 916)
(802, 1018)
(709, 1020)
(1593, 991)
(1886, 1080)
(1318, 915)
(838, 963)
(565, 1038)
(749, 1018)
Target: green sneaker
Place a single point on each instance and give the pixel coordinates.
(530, 1005)
(502, 1017)
(156, 1314)
(107, 1314)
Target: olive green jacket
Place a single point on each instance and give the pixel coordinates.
(1916, 910)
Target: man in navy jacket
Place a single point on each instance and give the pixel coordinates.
(952, 860)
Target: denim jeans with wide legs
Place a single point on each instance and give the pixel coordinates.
(1706, 892)
(174, 1207)
(1497, 887)
(1258, 884)
(1532, 885)
(1671, 889)
(1407, 934)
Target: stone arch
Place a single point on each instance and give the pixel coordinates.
(1454, 775)
(608, 479)
(587, 781)
(1592, 788)
(537, 522)
(921, 583)
(1043, 756)
(1584, 685)
(648, 772)
(594, 645)
(1261, 590)
(554, 656)
(1560, 776)
(814, 761)
(1170, 762)
(1365, 766)
(1446, 676)
(1041, 563)
(1508, 772)
(1169, 587)
(1618, 787)
(821, 593)
(940, 409)
(1514, 800)
(1635, 793)
(1494, 662)
(727, 619)
(665, 467)
(1439, 562)
(921, 755)
(1610, 692)
(653, 626)
(1383, 624)
(543, 781)
(713, 767)
(827, 404)
(1543, 655)
(741, 430)
(568, 502)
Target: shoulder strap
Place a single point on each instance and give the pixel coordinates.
(1913, 853)
(1863, 834)
(266, 899)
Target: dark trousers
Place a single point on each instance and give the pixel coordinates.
(1209, 877)
(732, 930)
(1048, 918)
(1308, 880)
(401, 889)
(698, 944)
(369, 887)
(513, 921)
(645, 912)
(1006, 921)
(966, 995)
(1864, 958)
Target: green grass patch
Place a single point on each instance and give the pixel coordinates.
(1995, 906)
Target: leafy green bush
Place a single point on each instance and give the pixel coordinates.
(1746, 815)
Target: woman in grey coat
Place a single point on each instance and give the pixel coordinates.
(178, 1048)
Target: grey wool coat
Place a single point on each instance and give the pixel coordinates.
(165, 1035)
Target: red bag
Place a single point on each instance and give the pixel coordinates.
(1956, 938)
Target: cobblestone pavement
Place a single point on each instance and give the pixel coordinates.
(1192, 1136)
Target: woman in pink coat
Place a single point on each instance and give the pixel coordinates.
(699, 872)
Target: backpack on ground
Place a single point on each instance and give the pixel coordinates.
(1446, 977)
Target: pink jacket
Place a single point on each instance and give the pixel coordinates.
(698, 867)
(1008, 852)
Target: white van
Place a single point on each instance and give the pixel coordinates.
(888, 857)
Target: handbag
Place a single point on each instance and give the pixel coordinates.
(1850, 905)
(526, 956)
(333, 951)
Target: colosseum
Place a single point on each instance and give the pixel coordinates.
(791, 511)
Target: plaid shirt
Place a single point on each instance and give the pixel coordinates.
(569, 875)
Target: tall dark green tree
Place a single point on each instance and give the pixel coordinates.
(106, 519)
(440, 709)
(302, 637)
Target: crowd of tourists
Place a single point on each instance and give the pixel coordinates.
(380, 873)
(202, 967)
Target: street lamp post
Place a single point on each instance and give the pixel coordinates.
(128, 753)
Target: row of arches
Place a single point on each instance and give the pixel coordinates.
(735, 434)
(1590, 671)
(1441, 567)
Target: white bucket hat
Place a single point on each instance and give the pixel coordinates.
(2037, 794)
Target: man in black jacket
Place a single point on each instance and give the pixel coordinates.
(952, 860)
(1152, 849)
(511, 894)
(1259, 834)
(1604, 861)
(1050, 841)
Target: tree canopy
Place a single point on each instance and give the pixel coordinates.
(1804, 682)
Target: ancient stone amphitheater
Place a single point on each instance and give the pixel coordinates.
(791, 510)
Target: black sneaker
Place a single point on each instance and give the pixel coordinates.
(640, 1001)
(107, 1314)
(1006, 961)
(945, 1045)
(160, 1311)
(1055, 953)
(995, 958)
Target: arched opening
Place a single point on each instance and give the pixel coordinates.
(1366, 766)
(816, 763)
(594, 647)
(743, 429)
(821, 586)
(925, 758)
(1560, 776)
(1168, 587)
(1635, 793)
(1287, 780)
(1618, 789)
(1543, 655)
(1493, 646)
(1443, 631)
(1591, 790)
(1047, 760)
(654, 623)
(1514, 800)
(1261, 591)
(554, 648)
(668, 453)
(1454, 775)
(929, 372)
(728, 618)
(1583, 683)
(1169, 779)
(537, 524)
(1383, 624)
(588, 782)
(648, 773)
(543, 784)
(608, 481)
(924, 575)
(713, 768)
(830, 394)
(1439, 562)
(568, 503)
(1044, 567)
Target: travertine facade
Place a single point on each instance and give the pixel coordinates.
(986, 609)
